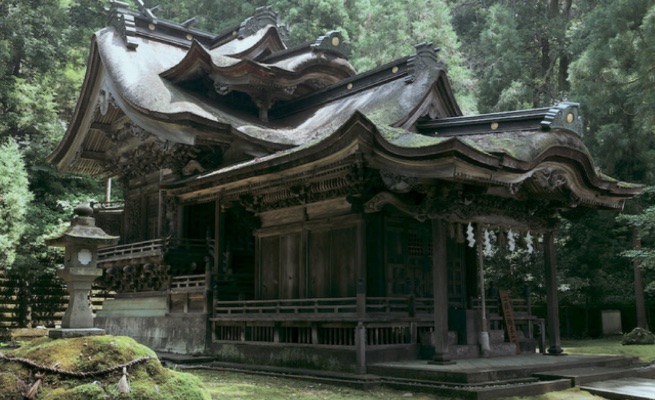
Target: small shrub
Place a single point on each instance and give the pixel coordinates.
(638, 336)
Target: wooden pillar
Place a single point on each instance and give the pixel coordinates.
(483, 335)
(551, 294)
(360, 347)
(440, 293)
(212, 273)
(108, 190)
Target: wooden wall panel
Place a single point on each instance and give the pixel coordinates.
(343, 261)
(289, 266)
(375, 270)
(311, 260)
(319, 263)
(270, 267)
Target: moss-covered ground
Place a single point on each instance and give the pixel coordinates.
(147, 380)
(237, 386)
(150, 380)
(233, 386)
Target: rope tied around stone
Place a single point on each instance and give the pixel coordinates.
(74, 374)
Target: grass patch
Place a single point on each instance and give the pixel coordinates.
(232, 385)
(238, 386)
(610, 346)
(570, 394)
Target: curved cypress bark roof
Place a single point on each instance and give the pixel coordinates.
(158, 94)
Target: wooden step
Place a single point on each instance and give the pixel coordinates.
(580, 376)
(625, 388)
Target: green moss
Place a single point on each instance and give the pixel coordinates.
(183, 386)
(8, 385)
(638, 336)
(148, 380)
(91, 353)
(89, 391)
(403, 138)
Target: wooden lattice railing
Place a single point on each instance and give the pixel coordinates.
(324, 333)
(389, 321)
(339, 308)
(138, 249)
(342, 305)
(154, 247)
(188, 283)
(108, 205)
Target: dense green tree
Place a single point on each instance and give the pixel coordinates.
(14, 199)
(379, 31)
(614, 74)
(519, 50)
(43, 50)
(599, 53)
(389, 30)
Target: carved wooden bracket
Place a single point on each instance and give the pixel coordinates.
(459, 207)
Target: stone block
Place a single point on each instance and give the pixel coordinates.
(74, 333)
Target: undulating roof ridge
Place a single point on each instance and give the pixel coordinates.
(574, 168)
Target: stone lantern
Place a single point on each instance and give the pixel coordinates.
(81, 242)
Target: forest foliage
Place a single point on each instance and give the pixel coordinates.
(500, 55)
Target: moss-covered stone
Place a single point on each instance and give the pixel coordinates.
(638, 336)
(148, 380)
(89, 391)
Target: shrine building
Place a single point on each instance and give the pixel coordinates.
(281, 208)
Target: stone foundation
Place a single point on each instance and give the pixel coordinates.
(145, 319)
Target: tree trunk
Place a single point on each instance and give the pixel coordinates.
(639, 287)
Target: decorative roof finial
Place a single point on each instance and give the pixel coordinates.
(189, 22)
(565, 115)
(332, 41)
(123, 22)
(264, 16)
(424, 58)
(147, 12)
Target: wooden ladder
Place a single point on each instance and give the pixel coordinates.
(509, 319)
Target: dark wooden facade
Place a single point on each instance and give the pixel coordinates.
(281, 208)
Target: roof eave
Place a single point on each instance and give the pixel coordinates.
(82, 115)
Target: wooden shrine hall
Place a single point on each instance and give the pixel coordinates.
(281, 208)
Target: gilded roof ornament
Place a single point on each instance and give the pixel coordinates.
(332, 41)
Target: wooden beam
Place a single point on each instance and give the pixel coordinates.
(94, 156)
(100, 127)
